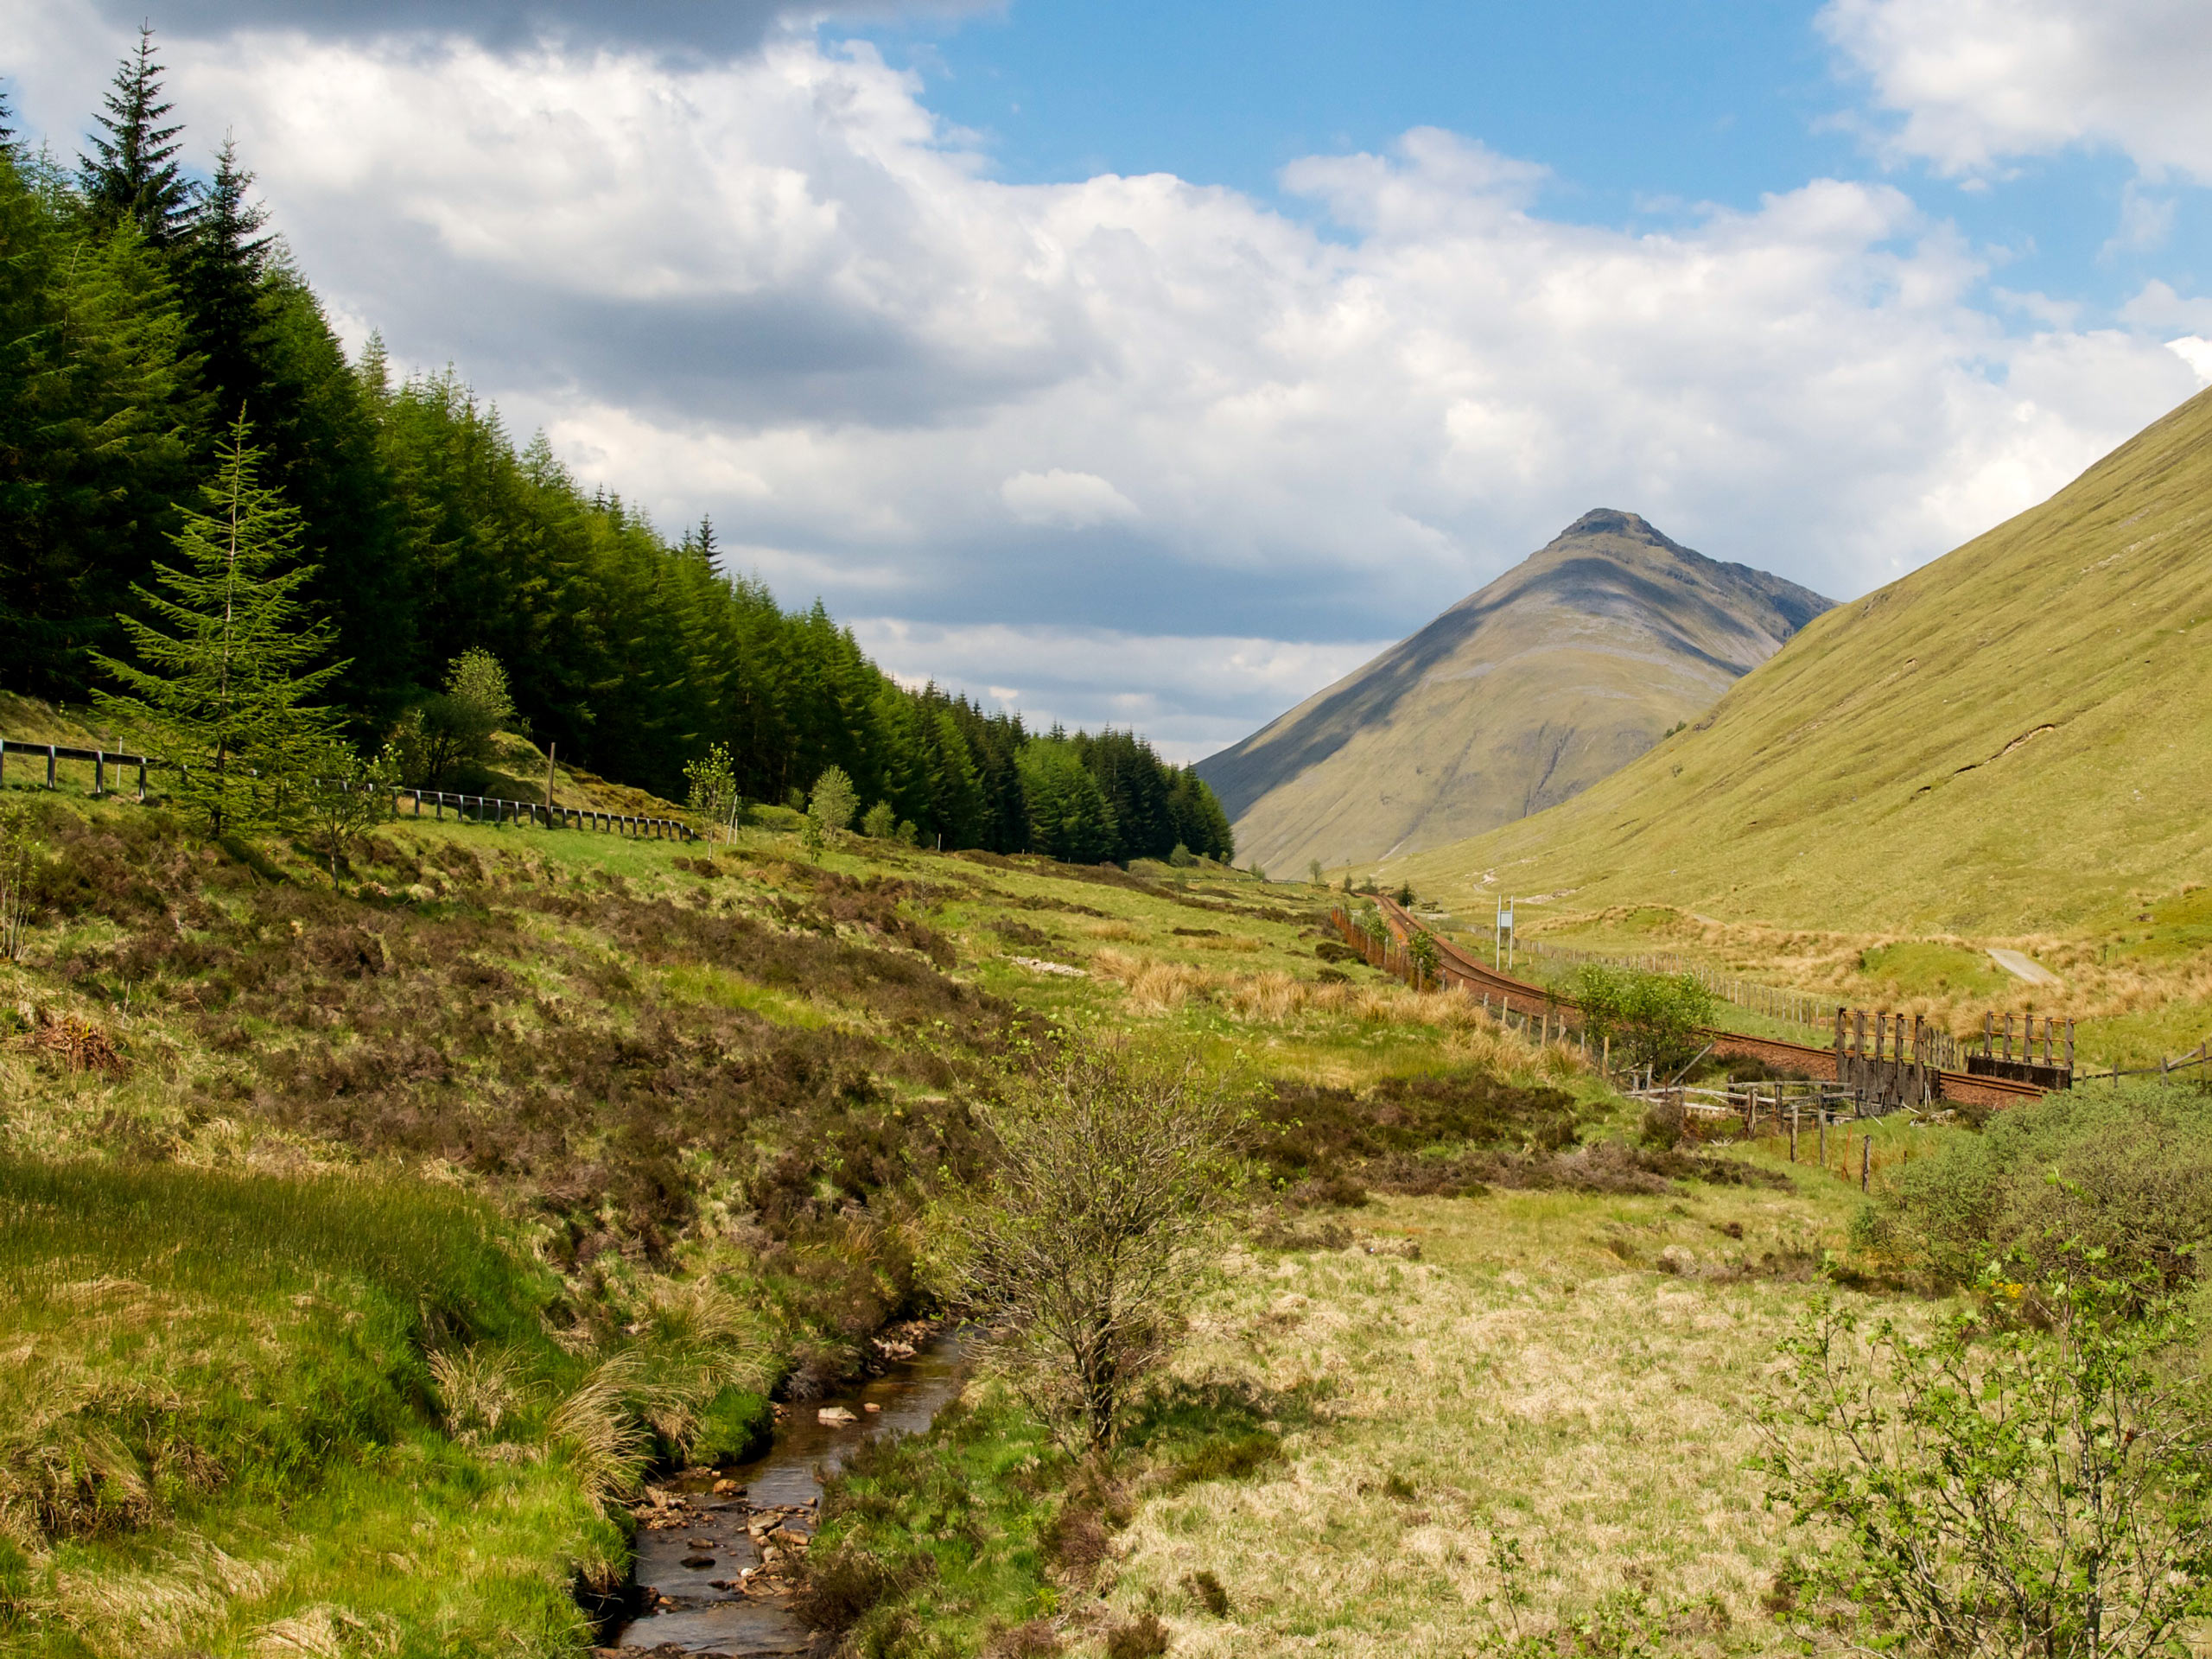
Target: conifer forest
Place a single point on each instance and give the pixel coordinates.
(146, 316)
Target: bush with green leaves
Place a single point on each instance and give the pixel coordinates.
(1651, 1019)
(713, 798)
(1996, 1487)
(2127, 1170)
(344, 794)
(1082, 1254)
(445, 741)
(880, 823)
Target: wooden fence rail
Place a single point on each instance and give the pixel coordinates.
(467, 809)
(54, 753)
(1890, 1073)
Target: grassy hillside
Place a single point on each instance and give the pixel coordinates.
(1564, 669)
(2015, 738)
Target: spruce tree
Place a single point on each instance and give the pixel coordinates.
(224, 694)
(132, 173)
(225, 257)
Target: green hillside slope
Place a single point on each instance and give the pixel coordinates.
(1565, 669)
(2017, 735)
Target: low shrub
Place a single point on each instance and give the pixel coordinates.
(2127, 1171)
(1309, 1132)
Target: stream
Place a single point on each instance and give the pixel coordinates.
(717, 1549)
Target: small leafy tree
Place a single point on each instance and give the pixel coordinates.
(713, 798)
(1315, 874)
(881, 824)
(1404, 896)
(1652, 1018)
(1423, 950)
(222, 686)
(2009, 1489)
(19, 856)
(445, 739)
(1108, 1173)
(833, 801)
(1181, 857)
(344, 793)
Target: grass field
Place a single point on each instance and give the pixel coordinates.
(359, 1243)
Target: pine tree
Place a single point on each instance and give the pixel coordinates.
(225, 257)
(224, 694)
(133, 172)
(97, 422)
(7, 123)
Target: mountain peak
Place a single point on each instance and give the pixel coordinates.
(1628, 526)
(1566, 667)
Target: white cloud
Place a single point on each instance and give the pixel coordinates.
(776, 289)
(1190, 694)
(2196, 351)
(1979, 82)
(1073, 500)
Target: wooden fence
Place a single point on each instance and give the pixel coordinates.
(2166, 1067)
(2054, 1070)
(485, 809)
(467, 809)
(1881, 1074)
(52, 753)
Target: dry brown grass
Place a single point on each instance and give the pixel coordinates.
(1274, 996)
(478, 1390)
(159, 1609)
(1514, 1387)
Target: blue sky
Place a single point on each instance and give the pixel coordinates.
(1643, 113)
(1156, 365)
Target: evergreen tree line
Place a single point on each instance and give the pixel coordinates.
(150, 325)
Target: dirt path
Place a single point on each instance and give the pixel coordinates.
(2020, 966)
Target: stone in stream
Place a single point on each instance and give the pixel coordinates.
(836, 1416)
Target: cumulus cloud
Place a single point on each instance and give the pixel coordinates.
(775, 287)
(1979, 82)
(2196, 351)
(1073, 500)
